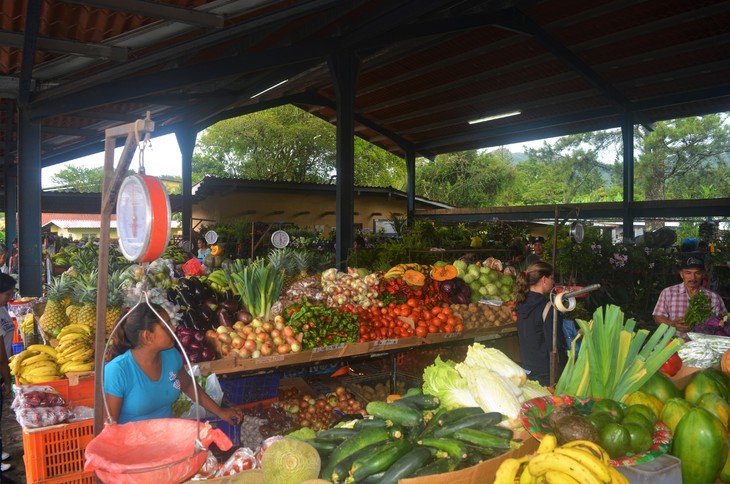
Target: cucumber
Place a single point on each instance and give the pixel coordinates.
(433, 424)
(413, 391)
(459, 413)
(490, 418)
(483, 439)
(367, 423)
(337, 434)
(323, 446)
(396, 431)
(380, 460)
(399, 414)
(453, 447)
(423, 402)
(350, 446)
(496, 430)
(373, 478)
(438, 466)
(342, 469)
(407, 465)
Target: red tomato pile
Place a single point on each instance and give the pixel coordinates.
(387, 322)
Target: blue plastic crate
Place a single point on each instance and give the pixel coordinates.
(248, 389)
(17, 348)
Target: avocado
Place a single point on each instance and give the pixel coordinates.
(559, 412)
(574, 427)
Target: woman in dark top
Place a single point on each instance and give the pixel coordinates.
(535, 322)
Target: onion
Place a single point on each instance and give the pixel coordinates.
(225, 350)
(207, 355)
(266, 349)
(244, 353)
(283, 349)
(185, 339)
(295, 347)
(255, 354)
(237, 342)
(267, 326)
(194, 347)
(249, 345)
(199, 336)
(288, 331)
(224, 338)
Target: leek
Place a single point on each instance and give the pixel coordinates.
(614, 359)
(258, 285)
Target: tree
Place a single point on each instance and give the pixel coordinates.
(464, 179)
(79, 178)
(288, 144)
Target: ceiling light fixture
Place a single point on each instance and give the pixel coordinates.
(495, 116)
(270, 88)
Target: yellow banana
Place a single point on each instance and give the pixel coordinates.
(548, 443)
(551, 461)
(555, 477)
(83, 356)
(588, 460)
(37, 358)
(77, 355)
(41, 371)
(616, 476)
(75, 343)
(43, 349)
(593, 447)
(73, 337)
(507, 471)
(526, 477)
(75, 328)
(77, 366)
(41, 378)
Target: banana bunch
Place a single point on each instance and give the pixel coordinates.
(217, 281)
(35, 364)
(400, 269)
(75, 348)
(580, 461)
(28, 324)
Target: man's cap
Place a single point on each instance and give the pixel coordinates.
(539, 238)
(693, 260)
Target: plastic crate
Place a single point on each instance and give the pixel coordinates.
(17, 348)
(78, 389)
(237, 391)
(56, 454)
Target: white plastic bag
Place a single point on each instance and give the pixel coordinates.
(212, 388)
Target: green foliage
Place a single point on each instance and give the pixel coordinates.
(80, 178)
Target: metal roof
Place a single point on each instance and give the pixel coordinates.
(427, 66)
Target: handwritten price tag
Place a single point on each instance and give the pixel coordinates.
(385, 342)
(452, 335)
(322, 349)
(269, 359)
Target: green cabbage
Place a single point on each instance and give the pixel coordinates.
(442, 380)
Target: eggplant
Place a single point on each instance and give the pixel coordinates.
(171, 295)
(185, 297)
(189, 319)
(187, 283)
(224, 317)
(206, 313)
(210, 302)
(230, 305)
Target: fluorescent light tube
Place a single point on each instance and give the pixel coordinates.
(495, 116)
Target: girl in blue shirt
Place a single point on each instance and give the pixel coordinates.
(147, 377)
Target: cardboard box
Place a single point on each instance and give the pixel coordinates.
(683, 376)
(482, 473)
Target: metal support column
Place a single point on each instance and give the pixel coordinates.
(186, 141)
(29, 205)
(11, 176)
(627, 135)
(344, 68)
(411, 183)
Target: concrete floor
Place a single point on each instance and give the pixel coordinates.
(13, 444)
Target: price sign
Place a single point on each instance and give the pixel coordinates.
(452, 335)
(269, 359)
(322, 349)
(385, 342)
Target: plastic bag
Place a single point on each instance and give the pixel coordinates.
(33, 396)
(193, 268)
(81, 413)
(148, 451)
(265, 445)
(243, 459)
(208, 470)
(212, 388)
(36, 417)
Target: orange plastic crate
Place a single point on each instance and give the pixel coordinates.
(56, 454)
(78, 389)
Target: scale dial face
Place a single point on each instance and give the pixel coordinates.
(577, 232)
(279, 239)
(143, 218)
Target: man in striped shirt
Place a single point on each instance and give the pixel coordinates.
(672, 303)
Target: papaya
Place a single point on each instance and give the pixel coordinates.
(644, 398)
(700, 383)
(701, 444)
(660, 386)
(673, 411)
(721, 378)
(717, 406)
(725, 472)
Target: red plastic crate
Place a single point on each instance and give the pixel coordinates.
(57, 454)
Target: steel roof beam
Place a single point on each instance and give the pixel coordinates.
(67, 47)
(156, 10)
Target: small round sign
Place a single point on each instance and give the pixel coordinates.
(143, 218)
(211, 237)
(279, 239)
(577, 232)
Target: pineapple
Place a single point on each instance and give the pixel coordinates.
(86, 292)
(282, 260)
(303, 261)
(115, 299)
(54, 316)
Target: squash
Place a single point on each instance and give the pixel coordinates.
(444, 273)
(414, 278)
(215, 250)
(725, 362)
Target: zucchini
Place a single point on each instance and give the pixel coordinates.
(453, 447)
(380, 460)
(433, 423)
(342, 469)
(373, 478)
(337, 434)
(396, 431)
(323, 446)
(459, 413)
(483, 439)
(438, 466)
(400, 414)
(413, 391)
(423, 402)
(503, 432)
(407, 465)
(350, 446)
(367, 423)
(490, 418)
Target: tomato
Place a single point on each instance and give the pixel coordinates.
(433, 329)
(442, 316)
(412, 303)
(391, 305)
(459, 328)
(446, 310)
(435, 310)
(672, 365)
(448, 328)
(426, 315)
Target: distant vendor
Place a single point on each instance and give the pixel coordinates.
(672, 305)
(538, 249)
(203, 250)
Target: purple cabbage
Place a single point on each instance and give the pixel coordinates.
(712, 325)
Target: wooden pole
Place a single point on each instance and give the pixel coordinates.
(554, 357)
(134, 132)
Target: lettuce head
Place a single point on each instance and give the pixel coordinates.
(443, 381)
